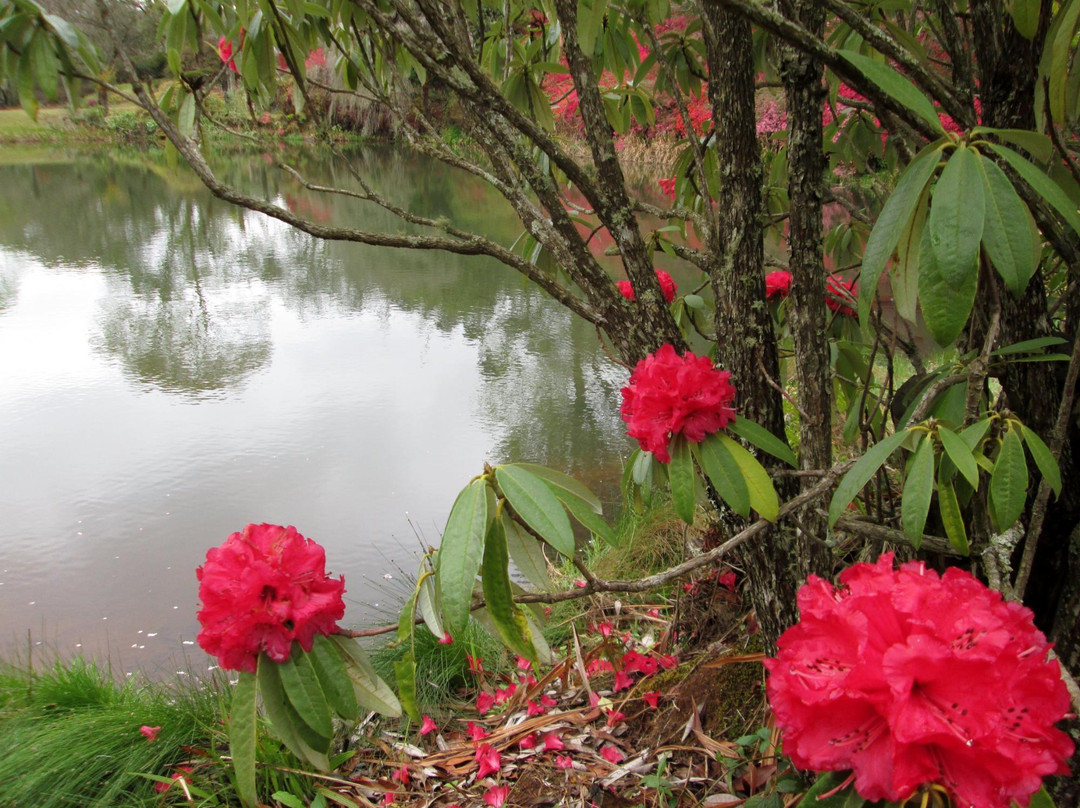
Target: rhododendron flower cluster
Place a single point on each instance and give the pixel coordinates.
(263, 588)
(908, 678)
(225, 51)
(777, 285)
(672, 395)
(839, 292)
(667, 286)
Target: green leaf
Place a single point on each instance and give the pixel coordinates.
(1054, 65)
(557, 481)
(945, 309)
(1025, 15)
(1044, 459)
(681, 479)
(243, 721)
(1009, 482)
(527, 553)
(1038, 146)
(960, 454)
(26, 87)
(185, 118)
(333, 678)
(957, 215)
(405, 677)
(46, 66)
(1041, 799)
(426, 598)
(287, 799)
(894, 217)
(823, 793)
(1010, 236)
(862, 472)
(757, 435)
(763, 497)
(590, 22)
(289, 728)
(507, 617)
(904, 269)
(724, 473)
(587, 516)
(1042, 184)
(951, 517)
(304, 692)
(918, 491)
(1028, 346)
(534, 503)
(461, 551)
(372, 693)
(893, 83)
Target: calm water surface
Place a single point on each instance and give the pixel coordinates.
(172, 368)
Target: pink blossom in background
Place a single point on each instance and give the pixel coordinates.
(777, 285)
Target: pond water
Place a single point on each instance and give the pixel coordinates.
(174, 368)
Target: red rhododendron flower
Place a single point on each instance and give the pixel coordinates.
(564, 761)
(446, 639)
(225, 51)
(553, 743)
(428, 725)
(651, 698)
(611, 754)
(671, 395)
(475, 732)
(529, 741)
(263, 588)
(623, 680)
(667, 185)
(667, 286)
(839, 293)
(777, 285)
(150, 733)
(909, 678)
(496, 795)
(161, 788)
(484, 702)
(489, 760)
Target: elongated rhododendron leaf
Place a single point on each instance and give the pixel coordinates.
(1044, 459)
(242, 724)
(1010, 237)
(945, 308)
(462, 550)
(506, 615)
(918, 491)
(584, 513)
(951, 517)
(526, 552)
(333, 678)
(724, 474)
(426, 601)
(305, 694)
(895, 85)
(681, 478)
(1043, 185)
(894, 217)
(861, 473)
(763, 498)
(372, 693)
(960, 454)
(405, 676)
(557, 481)
(284, 720)
(1009, 482)
(534, 503)
(957, 216)
(759, 436)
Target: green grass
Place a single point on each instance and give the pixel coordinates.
(69, 736)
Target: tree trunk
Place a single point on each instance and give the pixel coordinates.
(746, 343)
(805, 93)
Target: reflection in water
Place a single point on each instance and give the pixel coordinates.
(175, 368)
